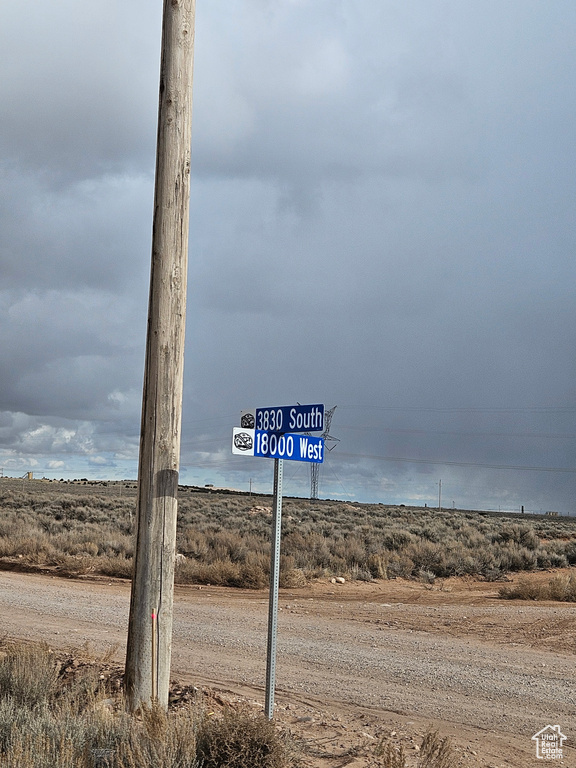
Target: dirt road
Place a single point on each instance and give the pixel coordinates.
(356, 662)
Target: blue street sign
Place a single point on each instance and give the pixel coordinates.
(285, 418)
(276, 445)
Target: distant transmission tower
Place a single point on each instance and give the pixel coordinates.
(315, 468)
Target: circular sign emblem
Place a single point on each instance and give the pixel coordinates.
(243, 441)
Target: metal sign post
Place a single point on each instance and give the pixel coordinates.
(274, 584)
(263, 432)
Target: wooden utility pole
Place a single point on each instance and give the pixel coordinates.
(150, 626)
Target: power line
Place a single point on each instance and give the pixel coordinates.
(402, 430)
(473, 409)
(458, 463)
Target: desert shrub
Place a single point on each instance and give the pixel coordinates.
(390, 755)
(351, 550)
(68, 723)
(543, 557)
(471, 537)
(359, 574)
(226, 539)
(426, 577)
(460, 561)
(193, 543)
(45, 720)
(570, 552)
(28, 675)
(253, 573)
(227, 545)
(292, 578)
(521, 534)
(560, 588)
(68, 738)
(377, 567)
(516, 558)
(431, 533)
(238, 740)
(550, 558)
(315, 552)
(221, 573)
(158, 740)
(436, 752)
(428, 556)
(115, 567)
(523, 590)
(399, 565)
(563, 588)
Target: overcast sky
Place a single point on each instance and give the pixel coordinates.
(382, 219)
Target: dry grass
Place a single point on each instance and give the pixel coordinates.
(48, 718)
(59, 713)
(225, 742)
(559, 588)
(225, 538)
(389, 755)
(434, 752)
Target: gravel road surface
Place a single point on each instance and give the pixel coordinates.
(480, 664)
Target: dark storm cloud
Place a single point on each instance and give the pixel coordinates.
(381, 218)
(87, 235)
(76, 141)
(79, 81)
(308, 94)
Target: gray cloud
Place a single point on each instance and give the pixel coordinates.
(381, 218)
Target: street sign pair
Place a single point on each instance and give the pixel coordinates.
(276, 433)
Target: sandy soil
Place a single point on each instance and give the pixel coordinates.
(357, 663)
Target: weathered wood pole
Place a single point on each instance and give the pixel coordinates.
(149, 646)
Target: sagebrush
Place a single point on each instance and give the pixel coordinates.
(224, 538)
(48, 719)
(558, 588)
